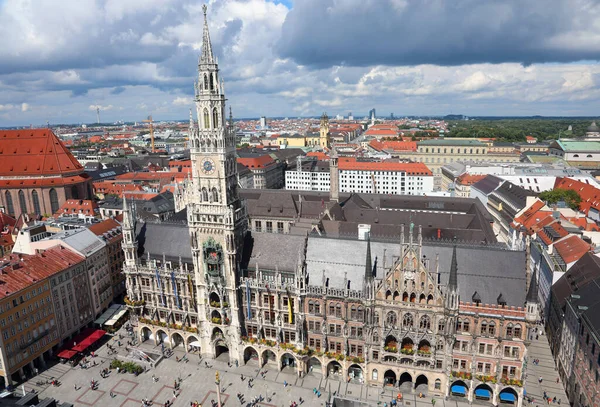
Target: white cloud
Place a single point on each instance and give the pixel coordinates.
(182, 101)
(25, 107)
(102, 108)
(6, 107)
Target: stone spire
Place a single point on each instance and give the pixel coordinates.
(453, 280)
(207, 53)
(369, 261)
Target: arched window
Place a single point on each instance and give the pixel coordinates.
(440, 346)
(9, 203)
(407, 321)
(206, 119)
(391, 319)
(215, 195)
(374, 374)
(492, 328)
(360, 314)
(376, 318)
(517, 331)
(375, 337)
(54, 206)
(425, 322)
(338, 310)
(36, 202)
(206, 81)
(212, 85)
(74, 192)
(509, 331)
(215, 118)
(483, 328)
(441, 326)
(438, 384)
(204, 195)
(22, 202)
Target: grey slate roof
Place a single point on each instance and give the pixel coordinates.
(487, 184)
(272, 251)
(170, 239)
(489, 271)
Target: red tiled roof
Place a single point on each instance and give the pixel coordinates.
(410, 168)
(35, 152)
(393, 145)
(319, 154)
(382, 132)
(584, 224)
(258, 162)
(145, 176)
(6, 220)
(590, 195)
(19, 272)
(469, 179)
(84, 206)
(571, 248)
(108, 229)
(108, 187)
(43, 182)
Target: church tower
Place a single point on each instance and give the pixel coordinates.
(324, 132)
(216, 216)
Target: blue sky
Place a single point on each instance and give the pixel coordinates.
(132, 58)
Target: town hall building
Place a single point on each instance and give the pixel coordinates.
(443, 317)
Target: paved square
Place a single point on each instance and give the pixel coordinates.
(165, 393)
(212, 395)
(124, 387)
(90, 397)
(130, 403)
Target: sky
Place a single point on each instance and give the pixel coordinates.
(59, 61)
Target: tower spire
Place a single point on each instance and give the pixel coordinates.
(369, 262)
(453, 280)
(207, 53)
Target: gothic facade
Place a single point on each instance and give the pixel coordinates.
(428, 318)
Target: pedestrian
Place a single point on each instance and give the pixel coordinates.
(433, 402)
(540, 379)
(557, 380)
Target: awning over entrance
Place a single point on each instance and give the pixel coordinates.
(507, 397)
(195, 344)
(459, 390)
(84, 340)
(67, 354)
(483, 394)
(108, 313)
(116, 317)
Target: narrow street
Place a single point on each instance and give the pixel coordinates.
(546, 369)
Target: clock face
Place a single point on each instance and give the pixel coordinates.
(208, 166)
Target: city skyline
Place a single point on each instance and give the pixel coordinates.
(285, 58)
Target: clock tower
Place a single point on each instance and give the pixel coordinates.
(216, 216)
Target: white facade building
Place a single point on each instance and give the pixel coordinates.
(534, 177)
(363, 177)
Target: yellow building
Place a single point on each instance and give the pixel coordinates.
(309, 139)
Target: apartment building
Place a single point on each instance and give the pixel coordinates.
(28, 319)
(382, 177)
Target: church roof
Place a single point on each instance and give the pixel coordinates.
(170, 239)
(35, 152)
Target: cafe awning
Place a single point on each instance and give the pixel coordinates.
(67, 354)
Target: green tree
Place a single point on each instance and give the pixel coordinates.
(569, 196)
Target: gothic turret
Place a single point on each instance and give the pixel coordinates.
(129, 240)
(452, 297)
